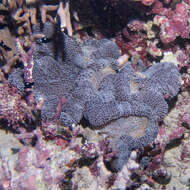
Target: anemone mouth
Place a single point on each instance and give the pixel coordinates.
(98, 76)
(134, 86)
(141, 75)
(134, 126)
(128, 133)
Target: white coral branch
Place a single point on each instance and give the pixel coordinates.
(65, 20)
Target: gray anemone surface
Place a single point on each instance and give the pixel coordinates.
(126, 103)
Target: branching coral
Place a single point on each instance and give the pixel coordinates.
(8, 55)
(25, 13)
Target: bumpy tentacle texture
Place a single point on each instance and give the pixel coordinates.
(126, 104)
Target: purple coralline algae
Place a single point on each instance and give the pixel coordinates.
(13, 109)
(173, 23)
(126, 103)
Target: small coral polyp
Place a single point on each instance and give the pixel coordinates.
(96, 88)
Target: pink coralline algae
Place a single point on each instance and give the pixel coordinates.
(41, 165)
(185, 152)
(137, 46)
(162, 141)
(186, 119)
(172, 23)
(13, 109)
(149, 37)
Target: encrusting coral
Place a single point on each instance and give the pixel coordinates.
(77, 80)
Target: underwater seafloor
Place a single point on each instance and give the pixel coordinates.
(94, 95)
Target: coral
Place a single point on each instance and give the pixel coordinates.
(50, 85)
(35, 166)
(172, 23)
(71, 111)
(148, 38)
(172, 133)
(136, 46)
(27, 61)
(24, 13)
(8, 50)
(151, 101)
(64, 14)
